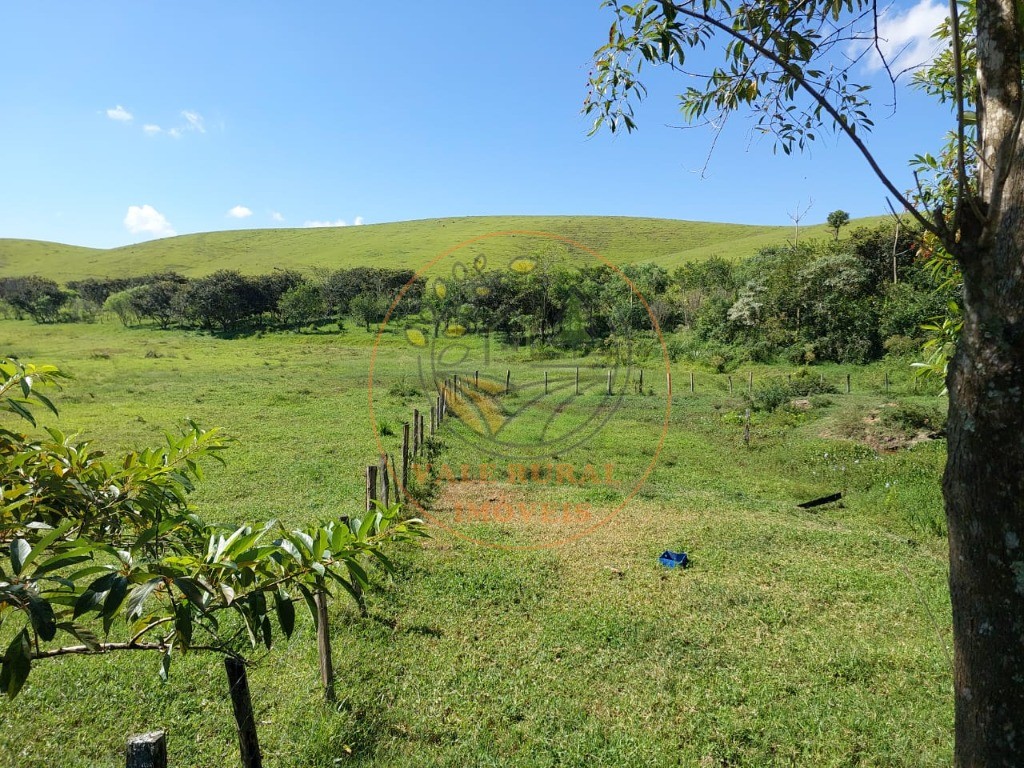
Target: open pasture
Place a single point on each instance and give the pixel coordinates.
(796, 637)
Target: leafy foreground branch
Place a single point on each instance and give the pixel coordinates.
(93, 542)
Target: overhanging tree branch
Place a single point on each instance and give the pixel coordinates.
(824, 103)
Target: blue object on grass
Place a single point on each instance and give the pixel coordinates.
(672, 559)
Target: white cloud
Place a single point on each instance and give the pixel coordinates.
(337, 223)
(906, 38)
(276, 216)
(357, 222)
(240, 212)
(120, 114)
(194, 120)
(147, 220)
(151, 130)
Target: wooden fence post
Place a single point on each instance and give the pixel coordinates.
(750, 382)
(668, 382)
(691, 382)
(371, 486)
(147, 750)
(545, 382)
(476, 379)
(746, 428)
(508, 381)
(384, 480)
(405, 456)
(609, 388)
(415, 431)
(730, 385)
(323, 643)
(641, 381)
(433, 420)
(847, 383)
(887, 382)
(577, 379)
(241, 704)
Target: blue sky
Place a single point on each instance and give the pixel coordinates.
(122, 121)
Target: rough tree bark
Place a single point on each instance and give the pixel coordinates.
(984, 479)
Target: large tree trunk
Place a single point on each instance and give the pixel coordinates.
(984, 479)
(984, 492)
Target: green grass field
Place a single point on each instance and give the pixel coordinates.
(407, 244)
(797, 637)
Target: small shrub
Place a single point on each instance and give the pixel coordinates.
(771, 395)
(902, 346)
(805, 384)
(908, 417)
(403, 388)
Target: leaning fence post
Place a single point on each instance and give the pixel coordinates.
(147, 750)
(405, 456)
(385, 481)
(241, 704)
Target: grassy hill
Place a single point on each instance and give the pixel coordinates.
(620, 239)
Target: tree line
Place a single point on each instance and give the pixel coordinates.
(850, 300)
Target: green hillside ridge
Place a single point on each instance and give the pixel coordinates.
(620, 239)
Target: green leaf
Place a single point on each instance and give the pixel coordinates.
(183, 625)
(139, 596)
(48, 539)
(285, 612)
(63, 560)
(20, 550)
(17, 664)
(194, 592)
(165, 663)
(85, 636)
(357, 571)
(43, 620)
(115, 596)
(265, 627)
(307, 596)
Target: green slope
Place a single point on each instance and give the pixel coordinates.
(620, 239)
